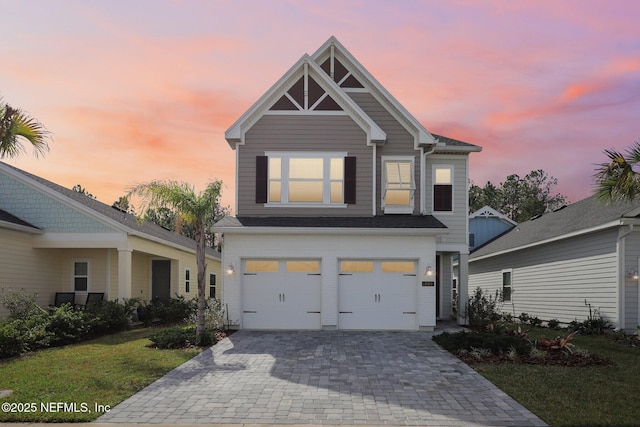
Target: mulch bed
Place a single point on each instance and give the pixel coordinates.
(551, 359)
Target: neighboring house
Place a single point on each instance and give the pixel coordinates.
(555, 265)
(349, 211)
(53, 239)
(485, 224)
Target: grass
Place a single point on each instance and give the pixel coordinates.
(576, 396)
(104, 371)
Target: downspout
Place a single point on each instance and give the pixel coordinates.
(375, 180)
(621, 247)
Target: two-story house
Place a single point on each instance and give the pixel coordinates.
(348, 211)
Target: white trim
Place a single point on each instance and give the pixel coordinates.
(510, 271)
(489, 212)
(375, 181)
(615, 223)
(74, 276)
(236, 133)
(410, 123)
(383, 187)
(334, 231)
(451, 168)
(423, 182)
(18, 227)
(285, 179)
(305, 113)
(189, 280)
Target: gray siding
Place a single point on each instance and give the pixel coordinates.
(304, 133)
(553, 280)
(631, 303)
(456, 221)
(399, 143)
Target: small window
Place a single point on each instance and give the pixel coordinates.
(472, 239)
(356, 266)
(506, 286)
(443, 189)
(212, 286)
(80, 276)
(303, 267)
(454, 289)
(407, 267)
(187, 280)
(261, 266)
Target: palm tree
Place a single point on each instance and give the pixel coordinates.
(192, 209)
(619, 178)
(16, 126)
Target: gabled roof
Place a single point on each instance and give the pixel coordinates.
(581, 217)
(489, 212)
(113, 217)
(332, 48)
(235, 134)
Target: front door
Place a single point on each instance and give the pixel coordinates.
(161, 279)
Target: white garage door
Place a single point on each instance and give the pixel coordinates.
(281, 294)
(377, 295)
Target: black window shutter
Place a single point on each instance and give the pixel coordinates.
(261, 179)
(350, 180)
(443, 198)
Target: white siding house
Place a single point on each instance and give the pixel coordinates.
(559, 266)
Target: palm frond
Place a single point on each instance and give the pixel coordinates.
(16, 127)
(617, 179)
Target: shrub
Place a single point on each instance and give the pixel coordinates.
(507, 317)
(481, 308)
(174, 310)
(21, 305)
(11, 342)
(553, 324)
(535, 321)
(214, 314)
(18, 336)
(175, 337)
(496, 343)
(524, 318)
(68, 325)
(594, 325)
(108, 316)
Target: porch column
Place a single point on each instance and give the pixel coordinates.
(463, 287)
(124, 273)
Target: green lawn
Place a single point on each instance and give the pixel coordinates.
(104, 371)
(587, 396)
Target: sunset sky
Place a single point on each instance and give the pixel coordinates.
(139, 90)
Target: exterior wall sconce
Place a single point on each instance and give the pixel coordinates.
(230, 270)
(428, 272)
(633, 275)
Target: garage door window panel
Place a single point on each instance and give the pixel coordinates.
(261, 266)
(405, 267)
(356, 266)
(311, 267)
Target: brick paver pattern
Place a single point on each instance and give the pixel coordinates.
(324, 377)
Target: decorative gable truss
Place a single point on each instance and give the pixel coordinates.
(307, 89)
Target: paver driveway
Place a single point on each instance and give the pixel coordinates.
(324, 377)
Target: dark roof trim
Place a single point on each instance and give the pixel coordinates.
(384, 222)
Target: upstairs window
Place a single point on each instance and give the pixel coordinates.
(305, 179)
(398, 184)
(187, 280)
(212, 285)
(443, 189)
